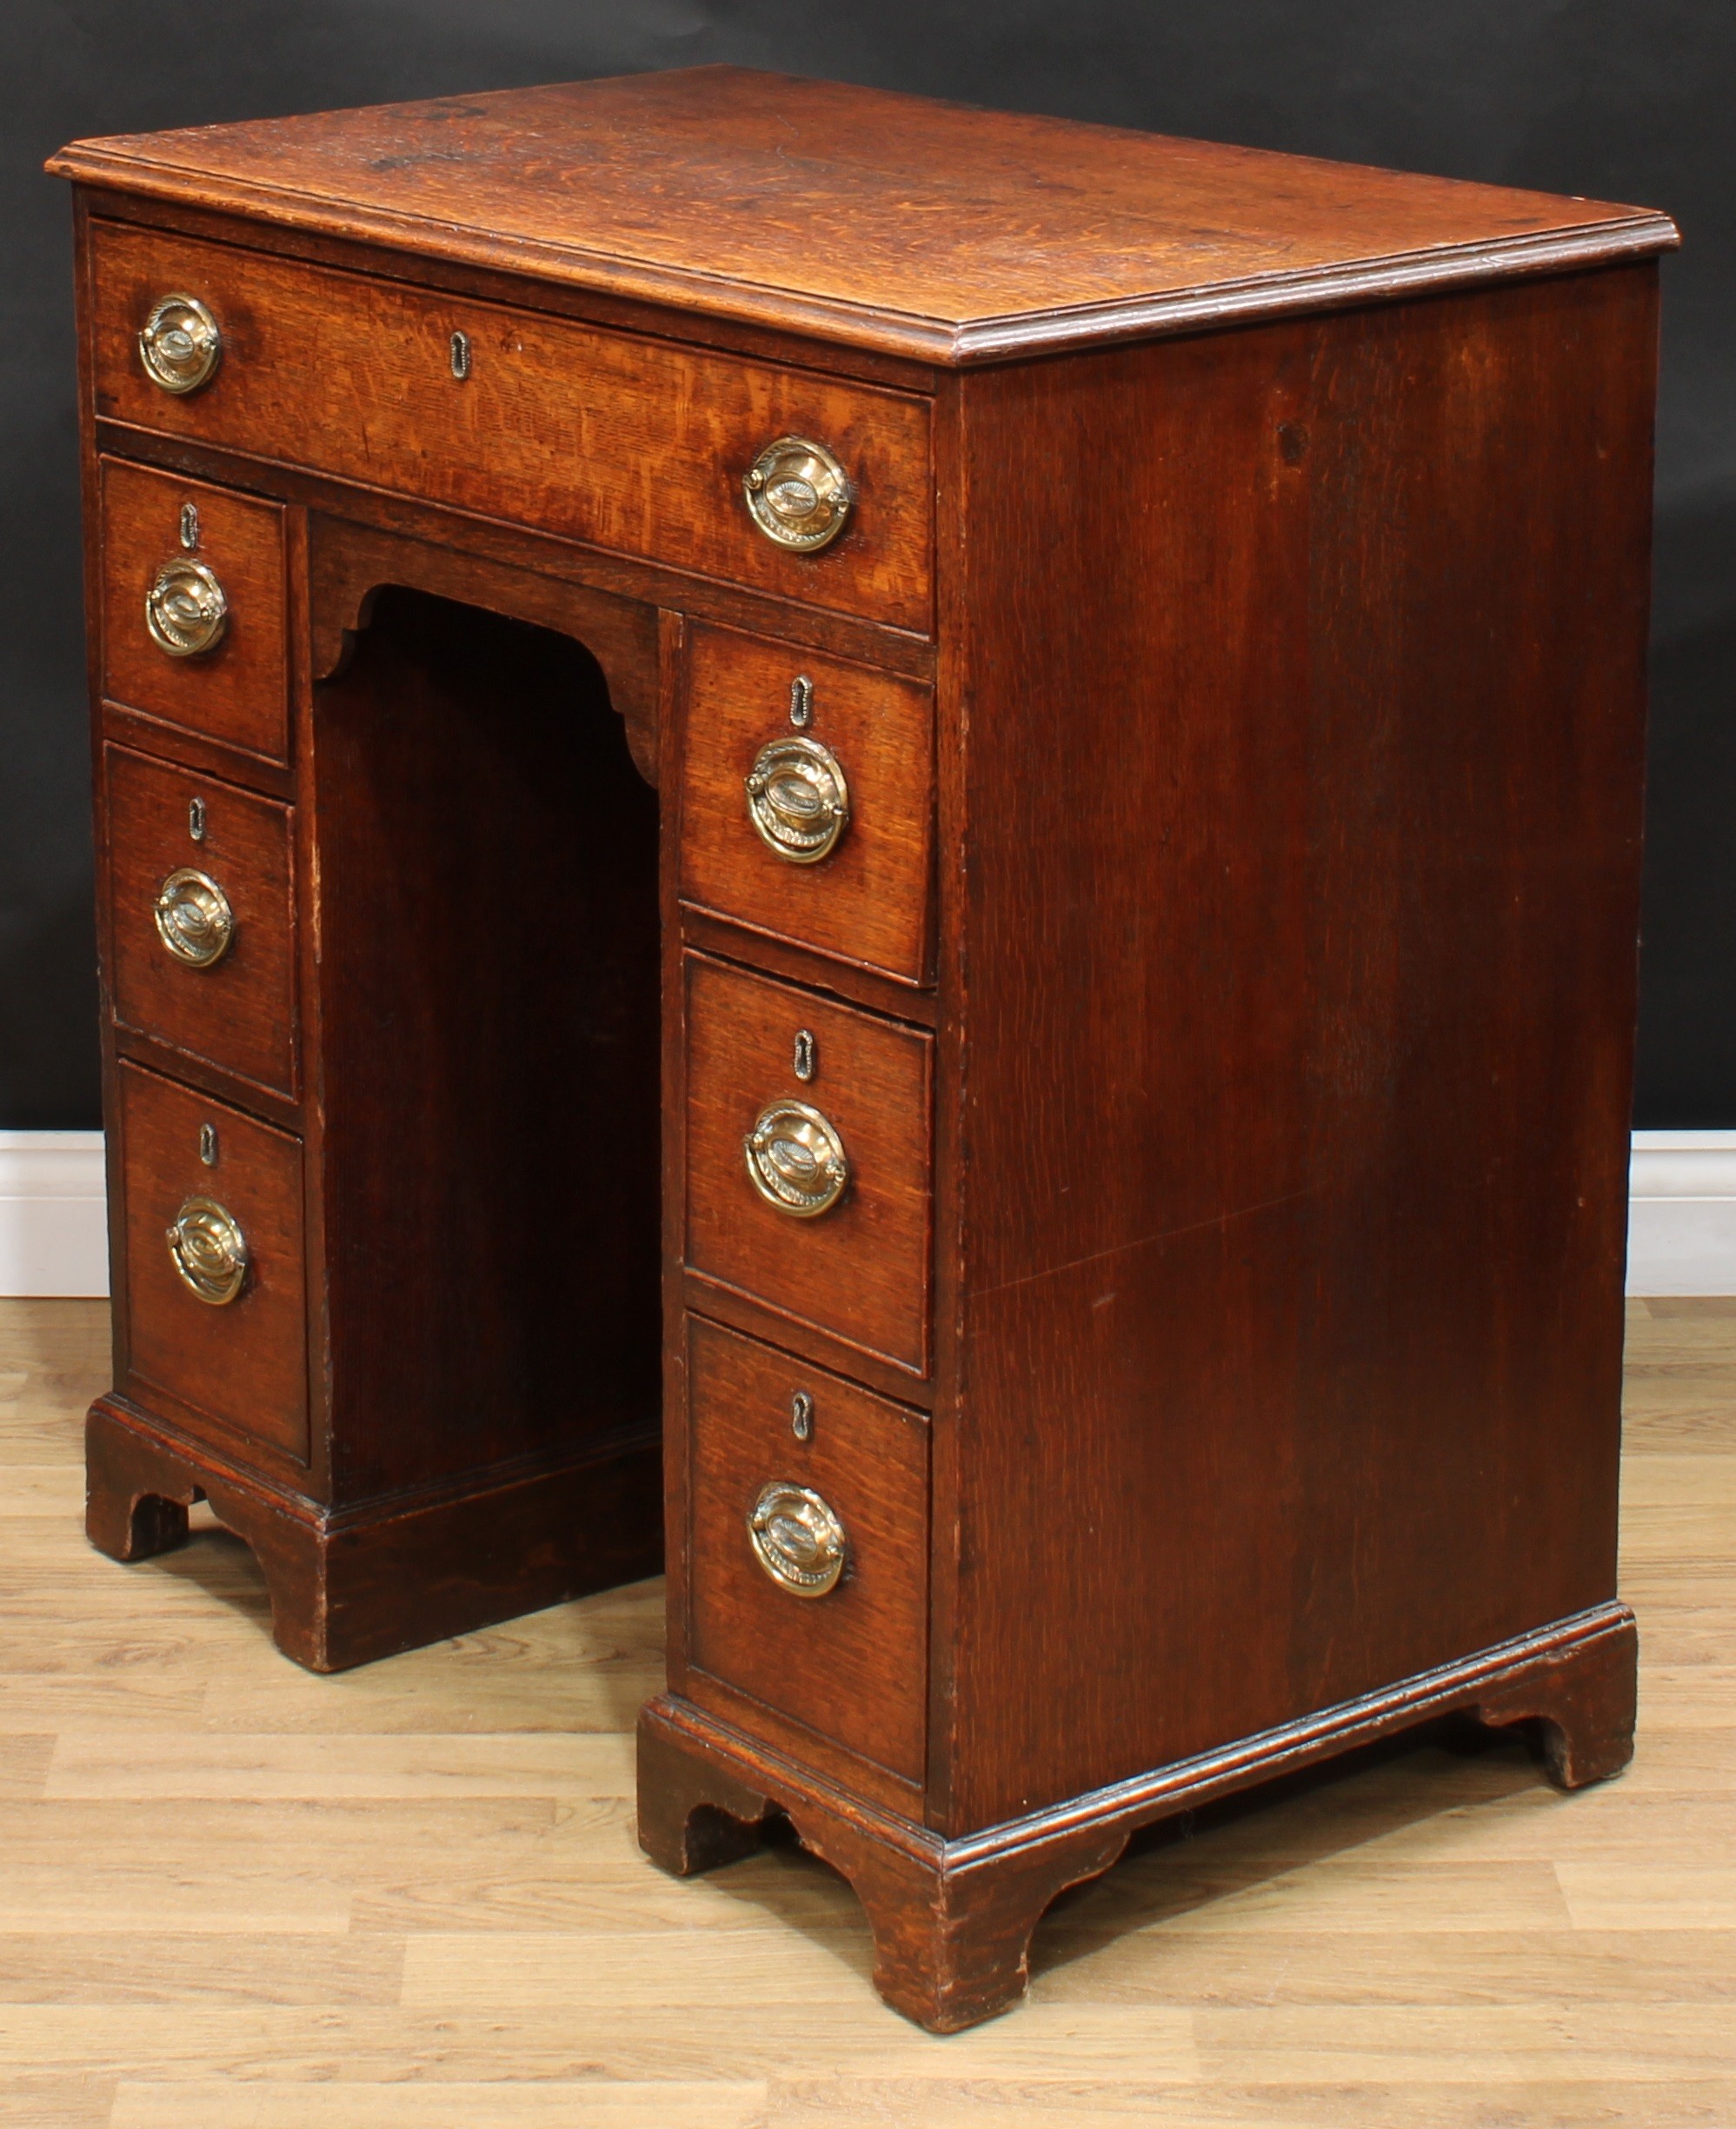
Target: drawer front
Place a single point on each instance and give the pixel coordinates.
(854, 750)
(156, 557)
(858, 1268)
(851, 1662)
(199, 912)
(629, 443)
(242, 1362)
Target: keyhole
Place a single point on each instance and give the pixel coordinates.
(801, 1416)
(196, 819)
(461, 355)
(189, 525)
(801, 702)
(208, 1145)
(807, 1058)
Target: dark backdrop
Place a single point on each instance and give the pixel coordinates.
(1619, 99)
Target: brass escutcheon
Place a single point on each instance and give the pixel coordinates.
(181, 344)
(185, 610)
(194, 919)
(796, 1159)
(798, 493)
(797, 1539)
(798, 800)
(207, 1248)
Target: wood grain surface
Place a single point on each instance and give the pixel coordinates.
(629, 443)
(239, 1013)
(860, 1270)
(870, 902)
(888, 221)
(243, 1365)
(1291, 1116)
(232, 1893)
(851, 1665)
(238, 692)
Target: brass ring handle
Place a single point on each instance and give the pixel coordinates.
(181, 344)
(208, 1250)
(194, 919)
(796, 1160)
(798, 494)
(797, 1539)
(798, 800)
(185, 610)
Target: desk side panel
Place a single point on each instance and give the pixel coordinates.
(1295, 726)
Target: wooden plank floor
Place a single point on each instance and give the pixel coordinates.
(233, 1896)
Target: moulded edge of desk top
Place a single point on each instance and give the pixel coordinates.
(1223, 233)
(976, 341)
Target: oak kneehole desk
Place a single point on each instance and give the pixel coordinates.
(958, 795)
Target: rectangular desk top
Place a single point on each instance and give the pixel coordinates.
(887, 222)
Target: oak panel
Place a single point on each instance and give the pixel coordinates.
(236, 693)
(860, 1270)
(1300, 1059)
(238, 1014)
(869, 900)
(245, 1364)
(631, 443)
(851, 1664)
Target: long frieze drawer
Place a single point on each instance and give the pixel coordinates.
(634, 444)
(808, 1157)
(193, 606)
(215, 1287)
(807, 1553)
(807, 799)
(201, 949)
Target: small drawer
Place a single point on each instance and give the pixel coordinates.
(215, 1293)
(635, 444)
(781, 1500)
(808, 800)
(193, 608)
(200, 932)
(835, 1232)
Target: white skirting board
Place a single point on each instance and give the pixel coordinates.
(1681, 1232)
(1681, 1213)
(54, 1237)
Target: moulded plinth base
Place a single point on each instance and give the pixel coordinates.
(349, 1585)
(953, 1918)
